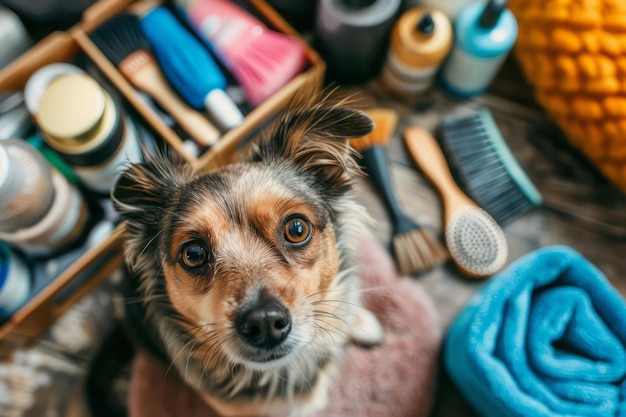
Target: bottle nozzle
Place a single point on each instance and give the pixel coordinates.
(426, 24)
(491, 13)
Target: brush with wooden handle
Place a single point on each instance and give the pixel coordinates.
(121, 39)
(476, 242)
(415, 249)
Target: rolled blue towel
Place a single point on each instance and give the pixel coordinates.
(546, 337)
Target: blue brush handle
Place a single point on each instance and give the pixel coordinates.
(186, 63)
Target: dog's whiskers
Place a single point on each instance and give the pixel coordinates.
(322, 323)
(191, 339)
(331, 315)
(331, 334)
(211, 350)
(208, 337)
(191, 329)
(190, 355)
(350, 312)
(316, 353)
(318, 316)
(173, 360)
(338, 301)
(348, 291)
(297, 368)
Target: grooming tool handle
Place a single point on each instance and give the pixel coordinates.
(377, 167)
(150, 79)
(430, 158)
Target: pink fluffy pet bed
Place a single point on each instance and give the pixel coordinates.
(397, 378)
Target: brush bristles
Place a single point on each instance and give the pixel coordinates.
(119, 37)
(476, 242)
(485, 167)
(385, 123)
(267, 64)
(418, 251)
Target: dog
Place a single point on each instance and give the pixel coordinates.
(247, 272)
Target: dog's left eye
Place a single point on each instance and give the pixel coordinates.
(193, 254)
(297, 231)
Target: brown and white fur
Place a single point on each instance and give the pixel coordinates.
(248, 272)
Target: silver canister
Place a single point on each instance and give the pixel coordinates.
(26, 191)
(15, 122)
(13, 37)
(40, 211)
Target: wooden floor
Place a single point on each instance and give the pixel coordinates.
(581, 210)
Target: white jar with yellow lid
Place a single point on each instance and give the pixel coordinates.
(82, 122)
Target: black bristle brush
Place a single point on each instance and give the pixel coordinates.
(415, 249)
(485, 168)
(122, 40)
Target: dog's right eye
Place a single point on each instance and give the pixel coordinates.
(193, 254)
(297, 231)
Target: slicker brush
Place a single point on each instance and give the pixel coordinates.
(415, 249)
(476, 242)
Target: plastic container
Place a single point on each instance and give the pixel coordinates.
(352, 36)
(484, 35)
(420, 41)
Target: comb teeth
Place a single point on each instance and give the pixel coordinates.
(485, 168)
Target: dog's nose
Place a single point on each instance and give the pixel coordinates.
(265, 324)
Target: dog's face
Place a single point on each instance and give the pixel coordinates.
(248, 246)
(249, 255)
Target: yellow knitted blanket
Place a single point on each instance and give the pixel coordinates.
(574, 53)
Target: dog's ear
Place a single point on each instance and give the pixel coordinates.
(331, 121)
(143, 189)
(315, 139)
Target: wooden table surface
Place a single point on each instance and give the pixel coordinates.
(581, 210)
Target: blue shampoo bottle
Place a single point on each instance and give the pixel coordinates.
(484, 34)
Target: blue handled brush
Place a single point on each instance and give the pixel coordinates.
(189, 67)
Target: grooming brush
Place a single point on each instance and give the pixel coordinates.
(123, 42)
(415, 249)
(485, 167)
(476, 242)
(261, 60)
(189, 67)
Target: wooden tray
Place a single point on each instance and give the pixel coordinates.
(96, 264)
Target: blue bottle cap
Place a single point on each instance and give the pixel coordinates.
(490, 16)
